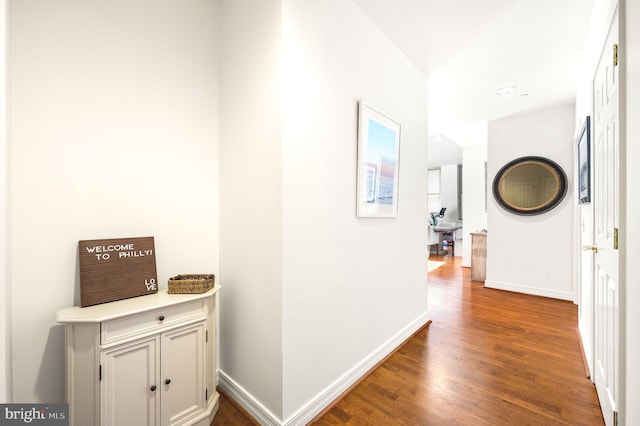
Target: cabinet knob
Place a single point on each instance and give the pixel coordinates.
(161, 317)
(153, 388)
(166, 382)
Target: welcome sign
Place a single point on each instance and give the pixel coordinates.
(116, 269)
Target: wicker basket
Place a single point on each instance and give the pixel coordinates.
(191, 283)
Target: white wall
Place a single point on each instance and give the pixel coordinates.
(4, 291)
(311, 292)
(532, 254)
(251, 202)
(449, 189)
(113, 133)
(349, 284)
(474, 196)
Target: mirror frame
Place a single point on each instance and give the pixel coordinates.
(558, 196)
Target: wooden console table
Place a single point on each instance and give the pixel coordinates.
(478, 256)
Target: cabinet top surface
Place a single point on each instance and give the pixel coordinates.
(111, 310)
(445, 228)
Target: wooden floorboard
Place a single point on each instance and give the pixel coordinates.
(230, 413)
(489, 357)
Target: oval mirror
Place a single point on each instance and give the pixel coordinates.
(530, 185)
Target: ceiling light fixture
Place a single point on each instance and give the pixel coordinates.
(505, 90)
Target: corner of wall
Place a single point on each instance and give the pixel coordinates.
(475, 194)
(251, 202)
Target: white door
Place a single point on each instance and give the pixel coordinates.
(183, 369)
(129, 384)
(606, 215)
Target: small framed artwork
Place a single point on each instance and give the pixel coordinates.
(378, 162)
(584, 162)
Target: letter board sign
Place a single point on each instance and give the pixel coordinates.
(116, 269)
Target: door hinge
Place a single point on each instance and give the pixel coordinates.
(206, 336)
(615, 418)
(100, 373)
(615, 55)
(206, 394)
(615, 238)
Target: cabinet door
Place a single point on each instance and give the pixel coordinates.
(183, 374)
(129, 385)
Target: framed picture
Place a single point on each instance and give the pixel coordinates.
(378, 161)
(584, 163)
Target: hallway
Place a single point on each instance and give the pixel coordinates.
(489, 357)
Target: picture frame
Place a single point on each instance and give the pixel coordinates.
(584, 162)
(378, 163)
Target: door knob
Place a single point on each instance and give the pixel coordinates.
(166, 382)
(593, 248)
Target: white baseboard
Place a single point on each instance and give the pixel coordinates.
(536, 291)
(587, 348)
(247, 401)
(315, 406)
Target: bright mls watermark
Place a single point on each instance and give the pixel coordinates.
(34, 414)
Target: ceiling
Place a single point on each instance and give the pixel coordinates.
(470, 48)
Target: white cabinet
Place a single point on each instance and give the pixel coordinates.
(149, 360)
(128, 391)
(182, 378)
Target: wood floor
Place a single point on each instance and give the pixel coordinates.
(230, 413)
(489, 357)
